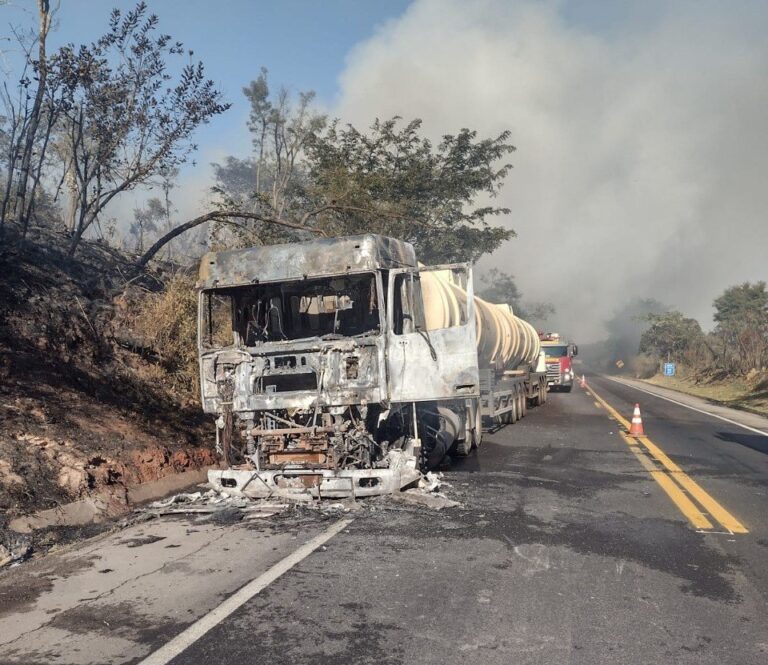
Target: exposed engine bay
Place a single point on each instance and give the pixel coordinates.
(298, 369)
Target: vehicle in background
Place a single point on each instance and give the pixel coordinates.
(511, 364)
(559, 361)
(340, 367)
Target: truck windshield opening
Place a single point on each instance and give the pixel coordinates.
(332, 307)
(555, 351)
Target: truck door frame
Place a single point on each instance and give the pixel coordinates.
(426, 365)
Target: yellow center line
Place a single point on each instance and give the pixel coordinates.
(685, 505)
(694, 489)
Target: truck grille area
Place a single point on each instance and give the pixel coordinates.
(553, 372)
(284, 383)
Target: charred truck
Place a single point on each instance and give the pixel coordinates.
(559, 361)
(340, 367)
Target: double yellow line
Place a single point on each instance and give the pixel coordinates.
(673, 480)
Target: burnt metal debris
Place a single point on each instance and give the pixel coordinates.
(317, 366)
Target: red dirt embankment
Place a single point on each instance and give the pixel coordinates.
(84, 409)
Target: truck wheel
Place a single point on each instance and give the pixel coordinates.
(463, 448)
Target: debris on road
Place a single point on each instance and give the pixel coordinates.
(14, 548)
(427, 493)
(435, 501)
(214, 501)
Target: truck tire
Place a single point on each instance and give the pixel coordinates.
(463, 448)
(566, 389)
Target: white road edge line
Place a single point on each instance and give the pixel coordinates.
(687, 406)
(190, 635)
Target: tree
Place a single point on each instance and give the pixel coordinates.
(741, 314)
(500, 287)
(31, 112)
(743, 303)
(669, 335)
(29, 131)
(303, 180)
(146, 220)
(127, 118)
(625, 329)
(537, 311)
(395, 182)
(271, 182)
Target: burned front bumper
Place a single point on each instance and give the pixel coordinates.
(401, 473)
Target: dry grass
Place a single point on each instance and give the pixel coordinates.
(167, 322)
(737, 393)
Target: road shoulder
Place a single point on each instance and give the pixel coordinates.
(745, 419)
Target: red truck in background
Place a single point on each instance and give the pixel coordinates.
(559, 355)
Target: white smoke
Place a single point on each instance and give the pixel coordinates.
(642, 149)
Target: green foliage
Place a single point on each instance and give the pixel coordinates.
(670, 335)
(393, 181)
(741, 313)
(743, 304)
(337, 179)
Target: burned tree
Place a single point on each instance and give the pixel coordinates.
(127, 119)
(30, 115)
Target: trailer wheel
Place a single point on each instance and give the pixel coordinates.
(463, 447)
(523, 404)
(538, 399)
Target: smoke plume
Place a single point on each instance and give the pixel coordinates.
(642, 138)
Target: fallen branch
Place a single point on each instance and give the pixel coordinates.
(224, 216)
(220, 216)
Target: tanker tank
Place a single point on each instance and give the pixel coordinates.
(504, 341)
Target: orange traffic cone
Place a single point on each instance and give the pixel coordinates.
(583, 382)
(636, 429)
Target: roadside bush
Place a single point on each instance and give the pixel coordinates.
(167, 322)
(644, 367)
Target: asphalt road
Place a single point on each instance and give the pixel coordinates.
(567, 548)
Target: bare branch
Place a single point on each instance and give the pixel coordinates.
(220, 216)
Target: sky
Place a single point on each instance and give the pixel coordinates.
(641, 127)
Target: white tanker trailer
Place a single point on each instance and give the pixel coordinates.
(340, 367)
(511, 363)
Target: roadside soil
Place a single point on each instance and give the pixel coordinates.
(82, 412)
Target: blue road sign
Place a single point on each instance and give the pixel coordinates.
(669, 369)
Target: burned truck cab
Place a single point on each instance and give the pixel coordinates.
(296, 365)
